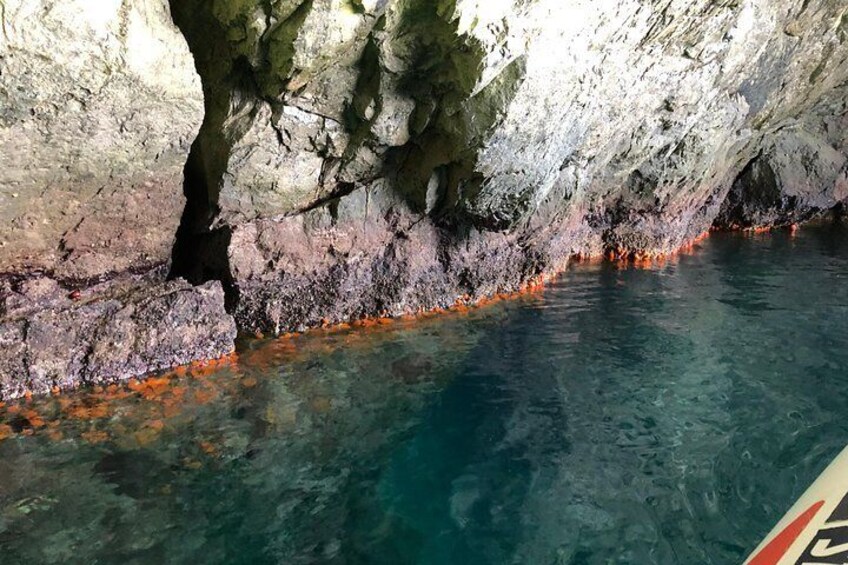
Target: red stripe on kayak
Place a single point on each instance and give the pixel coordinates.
(782, 542)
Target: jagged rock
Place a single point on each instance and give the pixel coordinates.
(364, 257)
(588, 103)
(800, 173)
(99, 104)
(13, 359)
(529, 130)
(105, 340)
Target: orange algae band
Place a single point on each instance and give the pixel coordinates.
(647, 258)
(463, 305)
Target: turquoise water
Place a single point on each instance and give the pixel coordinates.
(657, 415)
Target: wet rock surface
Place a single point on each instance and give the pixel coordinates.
(368, 255)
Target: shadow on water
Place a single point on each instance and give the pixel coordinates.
(664, 415)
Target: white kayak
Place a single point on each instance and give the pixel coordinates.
(815, 531)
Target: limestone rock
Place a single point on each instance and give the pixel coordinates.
(801, 171)
(355, 152)
(106, 340)
(99, 104)
(364, 157)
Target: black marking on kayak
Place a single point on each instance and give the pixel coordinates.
(830, 545)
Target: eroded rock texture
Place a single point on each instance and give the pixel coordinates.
(380, 156)
(114, 337)
(99, 104)
(800, 172)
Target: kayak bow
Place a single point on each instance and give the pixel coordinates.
(815, 531)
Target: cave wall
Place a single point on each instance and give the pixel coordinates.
(350, 158)
(366, 157)
(99, 105)
(799, 173)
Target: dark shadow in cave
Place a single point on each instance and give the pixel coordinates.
(200, 251)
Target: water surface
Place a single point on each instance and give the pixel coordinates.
(663, 415)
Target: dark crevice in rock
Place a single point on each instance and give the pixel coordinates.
(237, 77)
(409, 208)
(200, 250)
(366, 104)
(755, 189)
(331, 202)
(450, 122)
(433, 173)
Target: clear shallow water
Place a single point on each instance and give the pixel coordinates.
(664, 415)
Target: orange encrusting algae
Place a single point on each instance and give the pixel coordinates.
(462, 305)
(166, 395)
(793, 228)
(153, 388)
(83, 414)
(166, 392)
(650, 259)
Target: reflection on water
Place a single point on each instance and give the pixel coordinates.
(663, 415)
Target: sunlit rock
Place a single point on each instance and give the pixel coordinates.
(533, 129)
(99, 103)
(352, 158)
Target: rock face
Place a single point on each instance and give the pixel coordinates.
(98, 107)
(800, 171)
(99, 104)
(108, 339)
(381, 156)
(365, 157)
